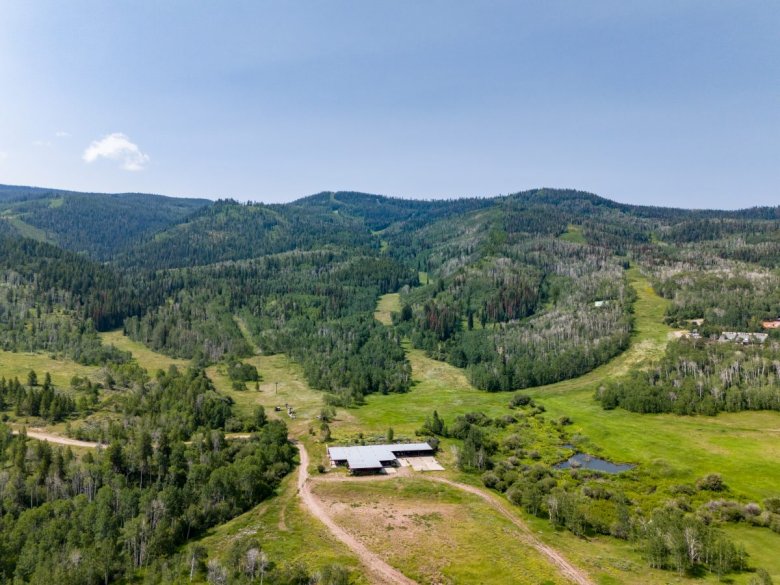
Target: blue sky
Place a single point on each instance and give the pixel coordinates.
(663, 102)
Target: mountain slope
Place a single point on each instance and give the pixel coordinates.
(99, 225)
(228, 231)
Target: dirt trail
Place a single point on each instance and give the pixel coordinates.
(42, 435)
(379, 569)
(565, 567)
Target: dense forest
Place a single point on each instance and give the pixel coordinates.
(166, 475)
(98, 224)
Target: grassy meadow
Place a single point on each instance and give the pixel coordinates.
(743, 447)
(147, 358)
(388, 304)
(281, 383)
(18, 365)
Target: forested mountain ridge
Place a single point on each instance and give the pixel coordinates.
(97, 224)
(229, 231)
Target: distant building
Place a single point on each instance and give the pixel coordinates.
(742, 337)
(365, 459)
(773, 324)
(600, 303)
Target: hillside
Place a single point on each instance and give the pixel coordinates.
(97, 224)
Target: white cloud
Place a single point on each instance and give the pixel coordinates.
(117, 146)
(3, 155)
(62, 134)
(42, 143)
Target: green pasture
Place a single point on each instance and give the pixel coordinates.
(18, 365)
(147, 358)
(282, 382)
(743, 447)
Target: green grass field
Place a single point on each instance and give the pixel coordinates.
(387, 305)
(282, 383)
(744, 447)
(18, 365)
(148, 359)
(573, 234)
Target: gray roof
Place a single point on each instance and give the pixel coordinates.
(372, 456)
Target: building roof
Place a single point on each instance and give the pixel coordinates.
(372, 456)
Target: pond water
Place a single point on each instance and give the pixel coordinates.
(585, 461)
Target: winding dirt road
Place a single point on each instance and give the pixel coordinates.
(380, 570)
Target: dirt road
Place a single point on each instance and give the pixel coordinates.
(378, 569)
(565, 567)
(42, 435)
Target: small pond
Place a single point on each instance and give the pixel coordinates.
(585, 461)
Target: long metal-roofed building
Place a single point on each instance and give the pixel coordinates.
(374, 458)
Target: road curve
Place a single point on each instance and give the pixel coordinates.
(379, 569)
(574, 574)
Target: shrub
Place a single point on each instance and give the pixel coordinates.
(490, 479)
(712, 482)
(761, 578)
(772, 505)
(683, 489)
(520, 400)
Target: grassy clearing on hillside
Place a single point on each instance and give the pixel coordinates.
(388, 304)
(285, 531)
(148, 359)
(242, 326)
(434, 533)
(282, 382)
(573, 234)
(18, 365)
(28, 231)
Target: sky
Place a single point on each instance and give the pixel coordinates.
(662, 103)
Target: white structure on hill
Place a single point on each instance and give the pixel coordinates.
(373, 458)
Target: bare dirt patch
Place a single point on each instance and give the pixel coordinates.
(396, 529)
